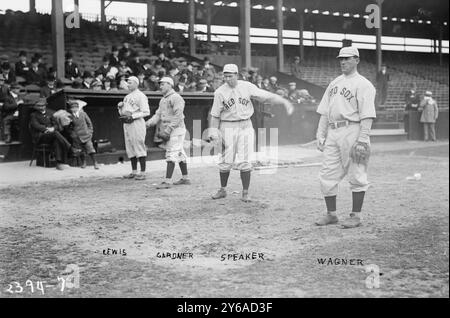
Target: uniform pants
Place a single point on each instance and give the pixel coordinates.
(337, 162)
(429, 130)
(238, 141)
(134, 134)
(175, 148)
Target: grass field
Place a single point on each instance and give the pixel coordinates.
(48, 226)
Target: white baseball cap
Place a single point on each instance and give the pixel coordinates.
(428, 93)
(230, 68)
(167, 79)
(348, 51)
(133, 79)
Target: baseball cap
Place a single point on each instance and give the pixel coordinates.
(230, 68)
(292, 83)
(133, 79)
(428, 93)
(167, 79)
(348, 51)
(41, 102)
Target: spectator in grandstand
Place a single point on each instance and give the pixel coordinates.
(412, 102)
(114, 59)
(104, 69)
(7, 73)
(160, 48)
(383, 79)
(110, 84)
(171, 50)
(36, 75)
(203, 86)
(165, 62)
(153, 83)
(266, 84)
(123, 85)
(72, 71)
(97, 83)
(135, 64)
(41, 63)
(43, 129)
(430, 112)
(143, 83)
(180, 86)
(87, 80)
(158, 69)
(295, 67)
(22, 66)
(259, 81)
(8, 111)
(124, 69)
(49, 88)
(210, 71)
(125, 51)
(273, 84)
(147, 68)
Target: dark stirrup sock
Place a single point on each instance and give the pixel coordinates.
(142, 162)
(245, 178)
(183, 168)
(224, 178)
(134, 163)
(358, 199)
(331, 203)
(169, 170)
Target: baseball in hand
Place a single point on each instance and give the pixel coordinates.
(120, 104)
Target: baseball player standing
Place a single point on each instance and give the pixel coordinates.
(347, 110)
(132, 110)
(171, 130)
(230, 122)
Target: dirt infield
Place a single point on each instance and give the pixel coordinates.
(48, 226)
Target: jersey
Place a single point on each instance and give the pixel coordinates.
(233, 104)
(349, 98)
(137, 104)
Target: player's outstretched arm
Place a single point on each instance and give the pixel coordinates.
(278, 100)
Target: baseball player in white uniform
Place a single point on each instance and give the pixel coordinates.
(132, 110)
(230, 122)
(347, 110)
(171, 130)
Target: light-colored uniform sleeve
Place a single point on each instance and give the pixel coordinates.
(217, 106)
(366, 101)
(178, 116)
(144, 109)
(324, 103)
(260, 95)
(155, 119)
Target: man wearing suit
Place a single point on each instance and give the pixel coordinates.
(7, 73)
(35, 75)
(104, 69)
(114, 57)
(71, 69)
(43, 130)
(22, 67)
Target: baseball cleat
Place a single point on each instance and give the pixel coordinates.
(327, 220)
(130, 176)
(164, 185)
(245, 197)
(96, 167)
(182, 181)
(220, 194)
(351, 222)
(139, 177)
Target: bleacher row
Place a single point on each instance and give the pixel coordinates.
(320, 67)
(88, 44)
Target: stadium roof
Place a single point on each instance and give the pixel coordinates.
(434, 10)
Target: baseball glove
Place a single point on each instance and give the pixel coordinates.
(360, 153)
(164, 136)
(126, 119)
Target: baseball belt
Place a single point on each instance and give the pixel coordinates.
(342, 123)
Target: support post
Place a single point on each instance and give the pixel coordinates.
(244, 33)
(58, 37)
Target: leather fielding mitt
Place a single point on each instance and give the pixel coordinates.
(164, 136)
(360, 153)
